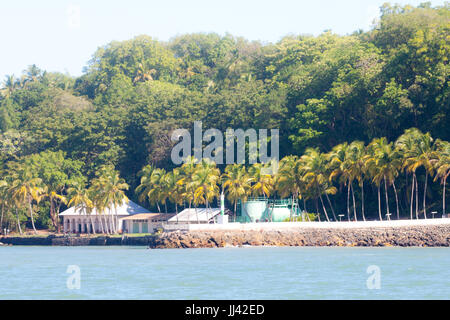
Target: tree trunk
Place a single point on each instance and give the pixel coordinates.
(444, 209)
(348, 201)
(112, 221)
(92, 223)
(196, 213)
(101, 223)
(324, 209)
(417, 199)
(116, 217)
(362, 201)
(32, 218)
(412, 196)
(317, 208)
(189, 215)
(306, 211)
(1, 220)
(291, 209)
(159, 209)
(52, 213)
(354, 203)
(406, 187)
(57, 215)
(379, 203)
(235, 208)
(18, 222)
(331, 206)
(396, 200)
(425, 195)
(387, 199)
(106, 224)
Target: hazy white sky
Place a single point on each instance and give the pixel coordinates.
(61, 35)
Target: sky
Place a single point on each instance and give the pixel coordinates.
(62, 35)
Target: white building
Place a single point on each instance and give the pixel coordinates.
(196, 215)
(78, 221)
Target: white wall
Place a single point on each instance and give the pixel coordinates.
(303, 225)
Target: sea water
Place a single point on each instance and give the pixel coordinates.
(228, 273)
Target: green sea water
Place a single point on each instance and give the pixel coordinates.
(228, 273)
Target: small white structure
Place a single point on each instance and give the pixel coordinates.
(196, 215)
(76, 220)
(222, 219)
(144, 222)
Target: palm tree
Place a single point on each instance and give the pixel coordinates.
(80, 198)
(100, 197)
(150, 186)
(9, 86)
(205, 179)
(290, 181)
(337, 158)
(33, 73)
(316, 177)
(350, 167)
(175, 194)
(262, 183)
(419, 152)
(442, 166)
(236, 184)
(3, 201)
(54, 199)
(384, 163)
(406, 144)
(187, 170)
(115, 187)
(25, 189)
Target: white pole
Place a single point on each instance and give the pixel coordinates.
(222, 204)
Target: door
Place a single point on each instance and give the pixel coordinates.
(145, 227)
(135, 227)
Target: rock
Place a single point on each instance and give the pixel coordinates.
(378, 237)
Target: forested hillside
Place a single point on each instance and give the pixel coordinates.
(319, 91)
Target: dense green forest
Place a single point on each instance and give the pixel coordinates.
(322, 92)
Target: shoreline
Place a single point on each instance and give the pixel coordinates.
(423, 235)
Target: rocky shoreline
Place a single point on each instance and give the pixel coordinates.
(414, 236)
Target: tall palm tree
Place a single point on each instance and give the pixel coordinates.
(421, 153)
(407, 145)
(262, 183)
(187, 171)
(175, 188)
(115, 187)
(9, 86)
(54, 199)
(336, 159)
(384, 163)
(289, 180)
(100, 195)
(150, 186)
(205, 179)
(316, 177)
(236, 184)
(3, 201)
(80, 198)
(442, 166)
(25, 188)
